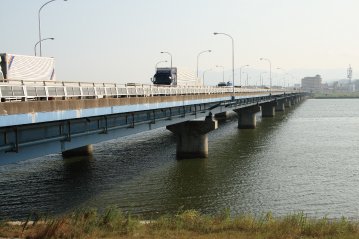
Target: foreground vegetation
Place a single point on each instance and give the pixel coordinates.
(188, 224)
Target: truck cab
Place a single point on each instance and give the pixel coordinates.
(224, 84)
(165, 76)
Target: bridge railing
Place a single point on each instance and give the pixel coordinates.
(20, 90)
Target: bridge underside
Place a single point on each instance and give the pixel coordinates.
(34, 140)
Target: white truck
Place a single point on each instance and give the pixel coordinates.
(175, 77)
(32, 68)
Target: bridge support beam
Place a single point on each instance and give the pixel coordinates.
(247, 117)
(77, 152)
(221, 116)
(192, 137)
(268, 109)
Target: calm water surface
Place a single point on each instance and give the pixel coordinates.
(306, 159)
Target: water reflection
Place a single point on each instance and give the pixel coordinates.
(302, 160)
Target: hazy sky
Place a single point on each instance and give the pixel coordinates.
(120, 40)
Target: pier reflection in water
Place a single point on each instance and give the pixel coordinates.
(301, 160)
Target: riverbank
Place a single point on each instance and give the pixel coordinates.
(188, 224)
(336, 95)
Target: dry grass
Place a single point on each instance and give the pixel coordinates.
(188, 224)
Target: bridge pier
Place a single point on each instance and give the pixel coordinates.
(268, 109)
(247, 117)
(192, 137)
(280, 106)
(288, 103)
(82, 151)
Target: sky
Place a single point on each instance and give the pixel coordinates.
(121, 40)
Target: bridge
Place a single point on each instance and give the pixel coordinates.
(41, 118)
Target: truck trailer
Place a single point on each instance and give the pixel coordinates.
(175, 77)
(32, 68)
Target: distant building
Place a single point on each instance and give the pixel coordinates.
(356, 85)
(312, 83)
(345, 85)
(350, 74)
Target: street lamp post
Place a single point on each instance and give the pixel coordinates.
(159, 63)
(240, 73)
(222, 72)
(39, 16)
(270, 73)
(49, 38)
(198, 58)
(261, 77)
(246, 82)
(221, 33)
(166, 52)
(285, 73)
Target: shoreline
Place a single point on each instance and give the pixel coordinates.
(335, 97)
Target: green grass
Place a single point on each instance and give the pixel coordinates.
(188, 224)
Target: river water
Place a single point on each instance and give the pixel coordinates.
(303, 160)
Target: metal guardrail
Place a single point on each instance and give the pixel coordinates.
(20, 90)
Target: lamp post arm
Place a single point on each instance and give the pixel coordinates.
(222, 33)
(49, 38)
(198, 55)
(169, 55)
(159, 63)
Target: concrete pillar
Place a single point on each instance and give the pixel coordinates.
(192, 137)
(268, 109)
(280, 106)
(247, 117)
(82, 151)
(292, 101)
(288, 103)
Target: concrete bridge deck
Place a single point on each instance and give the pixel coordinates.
(23, 107)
